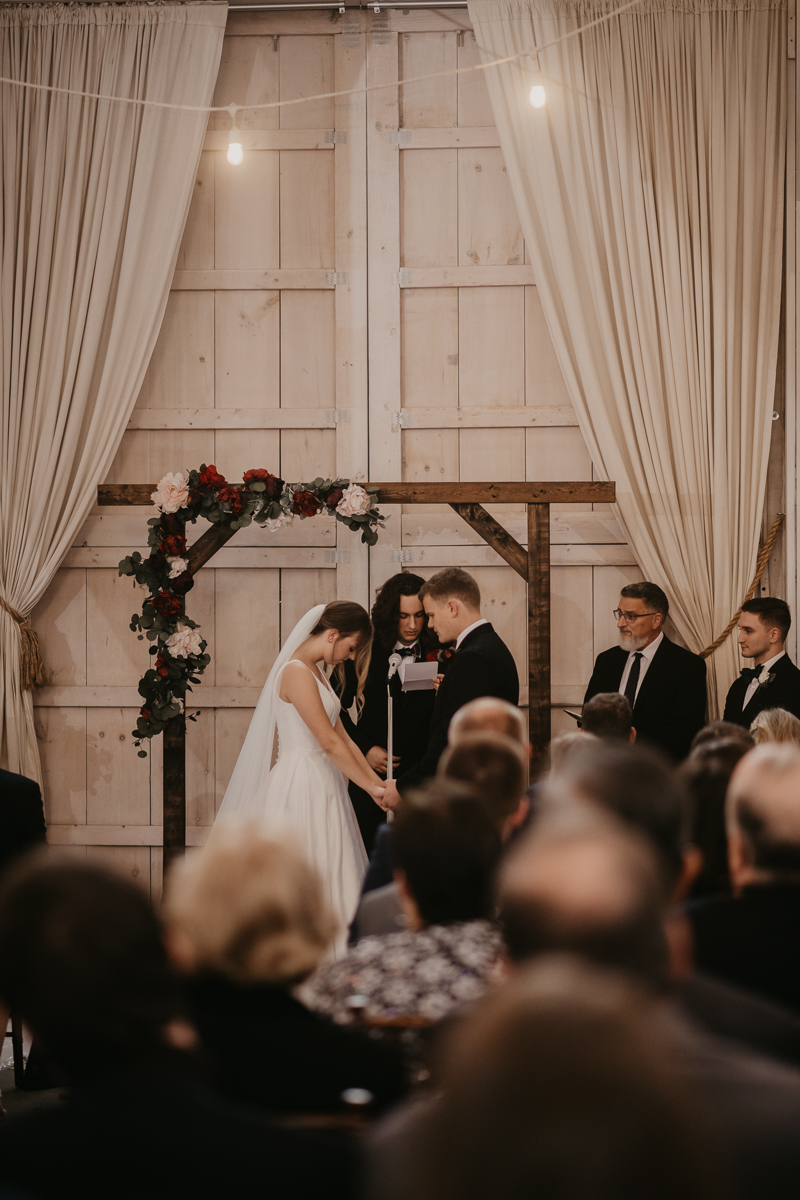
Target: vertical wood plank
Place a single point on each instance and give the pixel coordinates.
(307, 226)
(307, 69)
(247, 332)
(433, 103)
(539, 627)
(429, 208)
(174, 792)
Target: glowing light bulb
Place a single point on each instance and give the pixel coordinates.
(538, 96)
(235, 153)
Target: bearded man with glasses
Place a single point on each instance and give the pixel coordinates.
(665, 684)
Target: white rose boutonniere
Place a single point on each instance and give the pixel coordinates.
(766, 681)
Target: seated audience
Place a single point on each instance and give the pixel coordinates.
(446, 848)
(773, 681)
(495, 767)
(636, 785)
(565, 746)
(560, 1086)
(581, 883)
(706, 774)
(22, 824)
(753, 937)
(608, 715)
(246, 922)
(715, 731)
(775, 725)
(83, 963)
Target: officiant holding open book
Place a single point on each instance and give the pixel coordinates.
(401, 630)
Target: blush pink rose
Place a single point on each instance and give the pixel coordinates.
(354, 502)
(172, 493)
(184, 641)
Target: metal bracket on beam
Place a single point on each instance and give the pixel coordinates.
(401, 278)
(336, 137)
(337, 416)
(337, 556)
(402, 556)
(334, 278)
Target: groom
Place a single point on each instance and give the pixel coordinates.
(481, 665)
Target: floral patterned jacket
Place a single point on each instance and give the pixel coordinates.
(416, 973)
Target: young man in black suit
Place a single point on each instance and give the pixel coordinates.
(773, 681)
(665, 684)
(21, 816)
(481, 665)
(398, 619)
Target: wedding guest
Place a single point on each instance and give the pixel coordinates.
(580, 883)
(400, 627)
(247, 922)
(482, 665)
(560, 1086)
(446, 848)
(490, 714)
(752, 938)
(22, 824)
(715, 731)
(83, 963)
(664, 684)
(773, 681)
(775, 725)
(707, 773)
(608, 715)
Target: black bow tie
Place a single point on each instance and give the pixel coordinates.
(749, 673)
(408, 651)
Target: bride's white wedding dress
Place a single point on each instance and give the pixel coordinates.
(304, 792)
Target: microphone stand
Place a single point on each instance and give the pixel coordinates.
(394, 663)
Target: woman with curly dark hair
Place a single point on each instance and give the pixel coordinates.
(400, 626)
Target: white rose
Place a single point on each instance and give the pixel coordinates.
(184, 641)
(354, 502)
(177, 566)
(171, 494)
(273, 524)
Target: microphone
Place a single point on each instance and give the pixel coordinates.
(394, 663)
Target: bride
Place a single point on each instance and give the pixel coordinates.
(306, 789)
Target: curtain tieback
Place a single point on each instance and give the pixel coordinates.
(31, 669)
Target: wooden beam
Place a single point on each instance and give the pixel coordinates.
(588, 492)
(207, 546)
(493, 532)
(174, 792)
(539, 627)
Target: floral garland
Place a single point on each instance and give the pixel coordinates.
(178, 646)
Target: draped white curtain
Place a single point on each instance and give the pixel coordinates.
(94, 200)
(651, 193)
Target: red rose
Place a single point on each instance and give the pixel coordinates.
(161, 666)
(144, 711)
(167, 605)
(211, 478)
(333, 497)
(182, 583)
(156, 560)
(306, 504)
(171, 524)
(174, 544)
(432, 657)
(233, 497)
(260, 475)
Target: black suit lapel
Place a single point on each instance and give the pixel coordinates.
(761, 696)
(655, 673)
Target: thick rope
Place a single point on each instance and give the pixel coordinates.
(31, 669)
(761, 562)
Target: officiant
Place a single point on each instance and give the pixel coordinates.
(400, 628)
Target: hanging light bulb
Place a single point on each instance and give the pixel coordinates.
(235, 151)
(538, 96)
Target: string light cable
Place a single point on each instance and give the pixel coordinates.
(534, 54)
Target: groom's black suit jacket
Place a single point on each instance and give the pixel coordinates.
(671, 705)
(482, 666)
(782, 692)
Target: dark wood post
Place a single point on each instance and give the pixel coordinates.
(174, 792)
(539, 627)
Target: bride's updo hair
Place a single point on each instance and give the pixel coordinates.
(349, 619)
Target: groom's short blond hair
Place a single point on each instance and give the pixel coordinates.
(250, 907)
(453, 583)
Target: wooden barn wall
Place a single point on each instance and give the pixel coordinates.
(353, 299)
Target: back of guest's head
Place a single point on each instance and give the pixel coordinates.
(489, 714)
(82, 963)
(248, 907)
(775, 725)
(447, 845)
(560, 1086)
(452, 583)
(763, 811)
(491, 764)
(773, 613)
(715, 731)
(564, 747)
(608, 715)
(706, 774)
(652, 595)
(639, 786)
(581, 882)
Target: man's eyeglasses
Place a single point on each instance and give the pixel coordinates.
(631, 617)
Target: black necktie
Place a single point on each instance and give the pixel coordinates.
(750, 673)
(633, 679)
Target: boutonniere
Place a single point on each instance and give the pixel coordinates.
(765, 682)
(444, 655)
